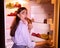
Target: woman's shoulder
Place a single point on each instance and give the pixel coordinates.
(21, 24)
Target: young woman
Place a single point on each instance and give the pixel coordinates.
(20, 32)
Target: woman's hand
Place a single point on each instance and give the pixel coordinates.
(49, 42)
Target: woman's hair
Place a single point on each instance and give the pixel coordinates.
(16, 22)
(29, 21)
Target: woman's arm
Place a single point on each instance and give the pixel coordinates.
(40, 43)
(44, 42)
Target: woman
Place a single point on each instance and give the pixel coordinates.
(20, 32)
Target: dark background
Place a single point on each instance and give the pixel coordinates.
(59, 30)
(2, 34)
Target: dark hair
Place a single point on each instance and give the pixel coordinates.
(16, 22)
(29, 21)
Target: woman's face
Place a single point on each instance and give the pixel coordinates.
(23, 14)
